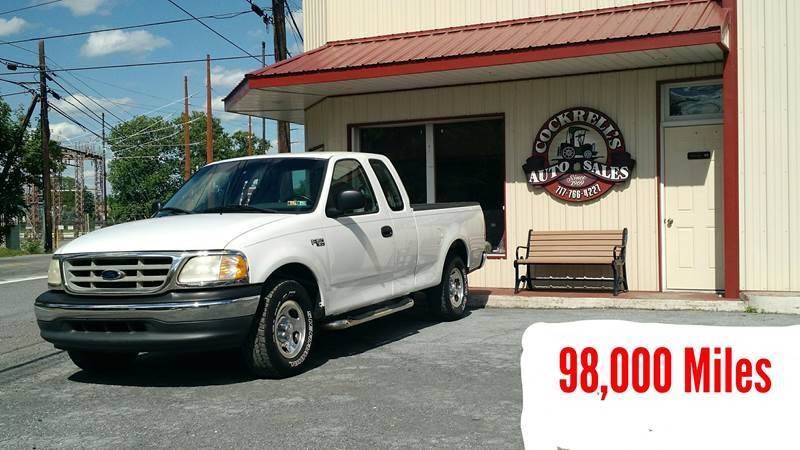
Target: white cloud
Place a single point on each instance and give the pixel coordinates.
(225, 78)
(84, 7)
(11, 26)
(120, 41)
(73, 105)
(65, 131)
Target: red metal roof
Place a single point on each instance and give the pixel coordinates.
(507, 38)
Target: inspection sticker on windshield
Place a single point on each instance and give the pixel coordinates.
(297, 203)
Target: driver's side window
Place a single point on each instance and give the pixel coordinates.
(349, 175)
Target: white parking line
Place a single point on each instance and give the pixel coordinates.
(41, 277)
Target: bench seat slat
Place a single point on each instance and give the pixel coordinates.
(584, 243)
(607, 253)
(576, 237)
(573, 248)
(567, 260)
(619, 232)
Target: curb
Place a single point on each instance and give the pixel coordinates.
(774, 302)
(510, 301)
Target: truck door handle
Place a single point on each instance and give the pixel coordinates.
(386, 231)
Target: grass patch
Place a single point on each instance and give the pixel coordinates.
(5, 252)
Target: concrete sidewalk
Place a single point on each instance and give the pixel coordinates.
(764, 302)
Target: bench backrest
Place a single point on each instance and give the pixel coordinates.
(576, 244)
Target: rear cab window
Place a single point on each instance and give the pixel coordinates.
(388, 185)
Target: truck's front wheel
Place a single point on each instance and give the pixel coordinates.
(448, 300)
(280, 342)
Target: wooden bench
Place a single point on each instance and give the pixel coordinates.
(599, 248)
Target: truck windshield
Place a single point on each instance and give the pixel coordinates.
(267, 185)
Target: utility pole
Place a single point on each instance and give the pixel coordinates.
(209, 131)
(279, 22)
(45, 124)
(249, 135)
(263, 120)
(105, 196)
(187, 154)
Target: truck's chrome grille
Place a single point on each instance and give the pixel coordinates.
(103, 274)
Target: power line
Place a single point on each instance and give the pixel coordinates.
(14, 93)
(291, 16)
(84, 94)
(29, 7)
(150, 112)
(213, 30)
(120, 66)
(221, 16)
(68, 117)
(70, 94)
(59, 97)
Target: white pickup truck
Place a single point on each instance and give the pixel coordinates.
(255, 253)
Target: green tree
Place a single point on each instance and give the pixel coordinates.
(21, 166)
(11, 195)
(240, 139)
(148, 162)
(144, 168)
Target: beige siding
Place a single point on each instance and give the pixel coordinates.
(769, 126)
(629, 97)
(332, 20)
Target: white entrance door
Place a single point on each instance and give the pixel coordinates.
(693, 207)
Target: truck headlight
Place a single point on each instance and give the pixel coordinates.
(54, 274)
(214, 269)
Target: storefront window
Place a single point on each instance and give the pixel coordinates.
(696, 100)
(468, 160)
(405, 147)
(470, 167)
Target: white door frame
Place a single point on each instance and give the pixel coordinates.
(668, 122)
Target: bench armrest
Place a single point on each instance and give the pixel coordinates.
(619, 252)
(520, 247)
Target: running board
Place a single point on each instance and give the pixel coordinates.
(384, 311)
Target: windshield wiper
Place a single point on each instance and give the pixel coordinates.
(174, 209)
(239, 208)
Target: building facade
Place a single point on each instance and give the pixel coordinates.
(677, 120)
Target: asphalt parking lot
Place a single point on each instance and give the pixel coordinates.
(399, 382)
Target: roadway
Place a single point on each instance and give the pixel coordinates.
(399, 382)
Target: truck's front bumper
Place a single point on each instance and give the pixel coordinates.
(180, 320)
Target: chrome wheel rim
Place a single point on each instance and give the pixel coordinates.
(456, 288)
(290, 329)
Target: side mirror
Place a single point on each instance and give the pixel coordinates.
(345, 201)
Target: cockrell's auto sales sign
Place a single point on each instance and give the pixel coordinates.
(578, 155)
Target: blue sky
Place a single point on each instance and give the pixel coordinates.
(139, 90)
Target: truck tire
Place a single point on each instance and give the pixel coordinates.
(283, 331)
(101, 362)
(448, 300)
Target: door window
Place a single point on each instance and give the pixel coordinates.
(349, 175)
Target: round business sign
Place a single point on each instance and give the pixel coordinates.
(578, 155)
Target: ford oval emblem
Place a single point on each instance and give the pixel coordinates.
(112, 275)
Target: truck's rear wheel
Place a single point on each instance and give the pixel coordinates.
(101, 362)
(448, 300)
(283, 332)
